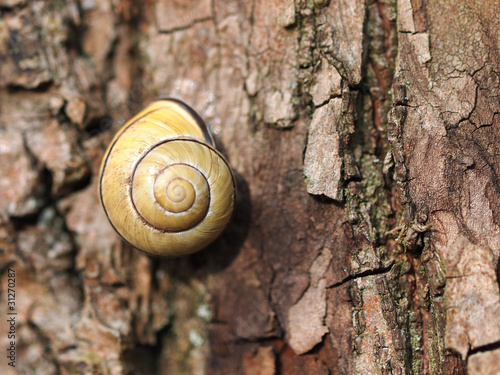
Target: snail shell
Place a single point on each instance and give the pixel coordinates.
(163, 186)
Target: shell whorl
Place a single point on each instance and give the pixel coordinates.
(163, 185)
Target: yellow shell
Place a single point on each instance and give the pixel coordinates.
(164, 187)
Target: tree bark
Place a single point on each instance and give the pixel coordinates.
(364, 139)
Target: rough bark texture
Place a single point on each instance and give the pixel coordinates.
(364, 138)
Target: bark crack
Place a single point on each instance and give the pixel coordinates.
(372, 272)
(186, 27)
(485, 348)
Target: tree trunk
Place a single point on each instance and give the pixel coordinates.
(363, 136)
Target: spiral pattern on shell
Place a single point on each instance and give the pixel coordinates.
(164, 187)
